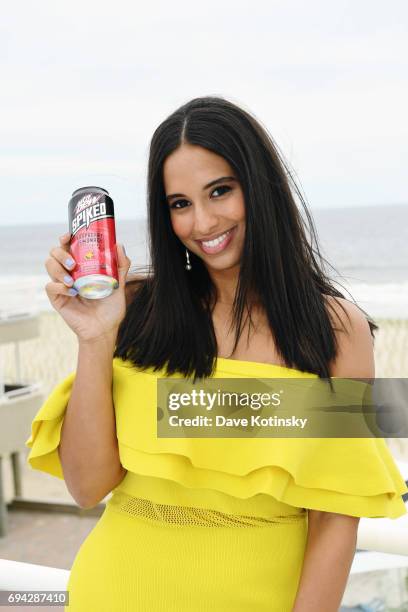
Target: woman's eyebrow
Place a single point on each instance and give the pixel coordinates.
(210, 184)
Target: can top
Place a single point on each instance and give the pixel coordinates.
(93, 189)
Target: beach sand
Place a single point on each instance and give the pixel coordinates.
(53, 355)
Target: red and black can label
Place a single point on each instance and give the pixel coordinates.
(93, 242)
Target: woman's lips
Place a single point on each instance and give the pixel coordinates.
(218, 247)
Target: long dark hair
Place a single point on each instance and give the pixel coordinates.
(168, 323)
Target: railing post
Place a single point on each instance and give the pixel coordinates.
(3, 508)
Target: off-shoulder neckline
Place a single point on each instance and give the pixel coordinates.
(225, 362)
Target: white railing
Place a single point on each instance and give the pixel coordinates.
(17, 576)
(384, 535)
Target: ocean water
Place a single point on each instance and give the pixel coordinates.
(368, 247)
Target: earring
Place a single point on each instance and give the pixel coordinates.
(188, 264)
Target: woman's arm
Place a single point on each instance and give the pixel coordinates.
(330, 548)
(88, 448)
(332, 537)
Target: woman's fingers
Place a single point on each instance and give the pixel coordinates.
(65, 238)
(58, 272)
(60, 261)
(123, 264)
(53, 289)
(63, 256)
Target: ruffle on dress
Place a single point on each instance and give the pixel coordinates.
(352, 476)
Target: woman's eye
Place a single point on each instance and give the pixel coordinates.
(220, 188)
(178, 204)
(174, 205)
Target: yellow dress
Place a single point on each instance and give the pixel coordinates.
(206, 524)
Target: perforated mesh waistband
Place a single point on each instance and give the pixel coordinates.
(186, 515)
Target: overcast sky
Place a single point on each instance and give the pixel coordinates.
(85, 83)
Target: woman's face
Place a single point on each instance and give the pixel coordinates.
(201, 212)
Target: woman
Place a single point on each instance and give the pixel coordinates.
(223, 524)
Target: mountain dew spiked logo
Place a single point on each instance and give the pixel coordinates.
(93, 242)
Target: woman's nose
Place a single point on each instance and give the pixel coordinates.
(205, 223)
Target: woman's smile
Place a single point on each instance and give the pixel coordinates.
(217, 244)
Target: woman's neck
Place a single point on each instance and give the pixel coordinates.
(225, 283)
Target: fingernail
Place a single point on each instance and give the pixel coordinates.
(72, 291)
(124, 250)
(69, 262)
(64, 235)
(68, 279)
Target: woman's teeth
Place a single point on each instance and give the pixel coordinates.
(216, 241)
(218, 244)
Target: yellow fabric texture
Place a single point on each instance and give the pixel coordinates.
(171, 524)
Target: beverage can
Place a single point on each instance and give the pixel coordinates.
(91, 220)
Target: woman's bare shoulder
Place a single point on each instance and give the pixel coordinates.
(343, 312)
(355, 351)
